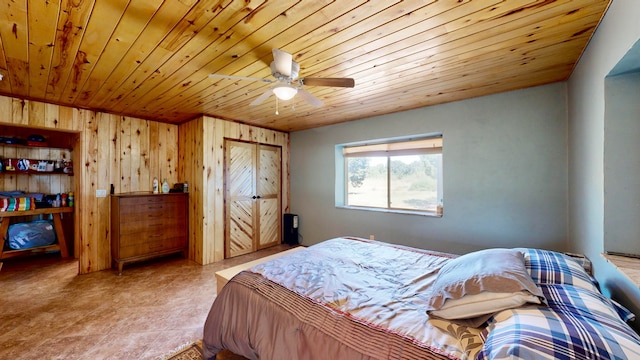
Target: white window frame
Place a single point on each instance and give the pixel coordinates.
(414, 145)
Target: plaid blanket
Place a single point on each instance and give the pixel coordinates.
(580, 322)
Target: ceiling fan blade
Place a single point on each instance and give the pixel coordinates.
(312, 100)
(233, 77)
(262, 97)
(283, 61)
(336, 82)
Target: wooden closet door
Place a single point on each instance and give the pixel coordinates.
(269, 190)
(240, 189)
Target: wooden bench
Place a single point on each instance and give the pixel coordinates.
(5, 218)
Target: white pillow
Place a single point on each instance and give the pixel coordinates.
(472, 306)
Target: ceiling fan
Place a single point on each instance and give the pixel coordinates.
(286, 83)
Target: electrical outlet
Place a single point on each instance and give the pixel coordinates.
(371, 237)
(101, 193)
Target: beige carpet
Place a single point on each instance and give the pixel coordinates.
(193, 351)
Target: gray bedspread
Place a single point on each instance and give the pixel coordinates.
(344, 298)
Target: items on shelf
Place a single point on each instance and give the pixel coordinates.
(21, 201)
(165, 186)
(17, 204)
(36, 166)
(32, 140)
(180, 187)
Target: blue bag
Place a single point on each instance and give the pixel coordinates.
(31, 234)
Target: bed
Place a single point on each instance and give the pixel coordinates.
(352, 298)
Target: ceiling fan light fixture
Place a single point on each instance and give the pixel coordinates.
(285, 91)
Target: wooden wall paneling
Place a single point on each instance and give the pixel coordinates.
(283, 138)
(101, 154)
(125, 154)
(23, 179)
(6, 111)
(161, 155)
(169, 153)
(41, 183)
(191, 137)
(51, 116)
(87, 214)
(10, 180)
(229, 129)
(114, 154)
(58, 183)
(79, 183)
(153, 161)
(137, 149)
(183, 149)
(70, 119)
(19, 112)
(214, 203)
(197, 190)
(36, 114)
(207, 226)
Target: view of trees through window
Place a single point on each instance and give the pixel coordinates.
(407, 182)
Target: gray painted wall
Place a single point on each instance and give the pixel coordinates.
(622, 164)
(505, 175)
(616, 34)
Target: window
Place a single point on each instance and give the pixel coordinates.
(400, 175)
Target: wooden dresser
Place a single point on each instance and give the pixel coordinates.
(146, 225)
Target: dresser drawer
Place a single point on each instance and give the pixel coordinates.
(155, 224)
(136, 212)
(146, 248)
(150, 235)
(150, 200)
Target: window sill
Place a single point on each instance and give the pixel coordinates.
(629, 266)
(394, 211)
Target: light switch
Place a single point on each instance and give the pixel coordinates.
(101, 193)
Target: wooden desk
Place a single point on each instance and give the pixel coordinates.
(5, 217)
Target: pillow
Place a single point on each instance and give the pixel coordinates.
(479, 284)
(550, 267)
(578, 324)
(471, 306)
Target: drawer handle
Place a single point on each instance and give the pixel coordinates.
(154, 207)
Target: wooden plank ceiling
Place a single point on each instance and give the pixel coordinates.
(151, 58)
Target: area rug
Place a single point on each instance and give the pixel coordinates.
(193, 351)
